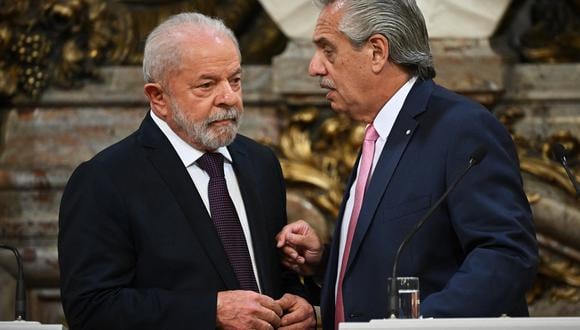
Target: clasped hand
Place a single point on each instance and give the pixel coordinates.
(251, 310)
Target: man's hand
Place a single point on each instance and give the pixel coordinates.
(301, 247)
(247, 310)
(298, 313)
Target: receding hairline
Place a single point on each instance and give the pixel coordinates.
(197, 36)
(196, 39)
(170, 39)
(189, 31)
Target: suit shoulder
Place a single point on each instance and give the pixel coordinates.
(444, 98)
(121, 150)
(115, 160)
(457, 109)
(450, 115)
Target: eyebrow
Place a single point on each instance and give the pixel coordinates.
(237, 72)
(322, 41)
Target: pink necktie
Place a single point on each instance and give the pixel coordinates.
(366, 162)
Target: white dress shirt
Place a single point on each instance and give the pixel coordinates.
(189, 155)
(383, 124)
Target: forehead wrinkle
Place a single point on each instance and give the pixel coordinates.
(203, 47)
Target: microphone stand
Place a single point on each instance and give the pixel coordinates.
(393, 301)
(20, 303)
(559, 152)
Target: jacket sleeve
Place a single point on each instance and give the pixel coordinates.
(491, 217)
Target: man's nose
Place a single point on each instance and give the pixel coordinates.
(226, 96)
(316, 68)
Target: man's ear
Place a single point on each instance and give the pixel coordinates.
(379, 50)
(157, 99)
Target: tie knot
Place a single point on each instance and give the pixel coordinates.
(371, 133)
(212, 163)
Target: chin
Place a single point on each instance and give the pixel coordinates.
(225, 137)
(337, 108)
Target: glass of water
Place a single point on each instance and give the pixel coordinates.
(409, 301)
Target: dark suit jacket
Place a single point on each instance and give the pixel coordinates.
(137, 248)
(477, 254)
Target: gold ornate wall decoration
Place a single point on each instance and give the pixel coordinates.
(258, 35)
(557, 217)
(556, 209)
(536, 155)
(554, 36)
(59, 42)
(318, 150)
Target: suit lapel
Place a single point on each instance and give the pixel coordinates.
(244, 168)
(328, 289)
(174, 174)
(399, 137)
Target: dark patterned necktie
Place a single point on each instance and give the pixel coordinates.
(226, 221)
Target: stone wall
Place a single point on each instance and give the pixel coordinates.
(43, 141)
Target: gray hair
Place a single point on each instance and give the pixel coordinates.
(163, 50)
(400, 21)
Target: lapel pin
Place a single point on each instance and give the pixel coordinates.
(408, 132)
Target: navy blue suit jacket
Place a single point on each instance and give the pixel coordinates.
(477, 254)
(137, 248)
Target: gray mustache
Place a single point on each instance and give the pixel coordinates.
(327, 83)
(226, 114)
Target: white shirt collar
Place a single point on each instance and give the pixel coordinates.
(188, 154)
(386, 117)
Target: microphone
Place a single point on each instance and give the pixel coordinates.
(20, 303)
(559, 153)
(476, 157)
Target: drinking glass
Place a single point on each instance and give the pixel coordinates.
(409, 301)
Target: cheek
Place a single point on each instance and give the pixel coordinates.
(355, 76)
(239, 95)
(238, 102)
(196, 109)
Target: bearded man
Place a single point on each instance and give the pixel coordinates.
(174, 226)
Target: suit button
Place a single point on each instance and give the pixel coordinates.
(353, 315)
